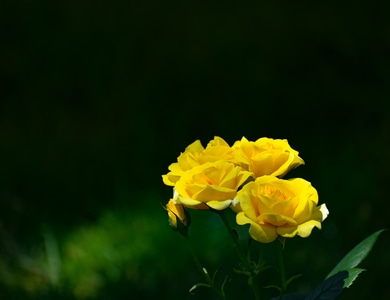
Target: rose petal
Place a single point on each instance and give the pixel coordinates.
(275, 220)
(211, 193)
(187, 201)
(219, 205)
(303, 230)
(260, 233)
(324, 211)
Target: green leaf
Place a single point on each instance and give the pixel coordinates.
(198, 285)
(356, 255)
(329, 289)
(353, 274)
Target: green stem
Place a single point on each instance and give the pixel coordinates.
(233, 236)
(203, 270)
(255, 290)
(282, 268)
(244, 259)
(197, 261)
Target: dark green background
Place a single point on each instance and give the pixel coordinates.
(98, 98)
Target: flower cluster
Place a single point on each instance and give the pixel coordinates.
(246, 177)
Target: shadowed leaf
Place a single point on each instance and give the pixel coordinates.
(329, 289)
(356, 255)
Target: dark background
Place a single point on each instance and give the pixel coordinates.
(98, 98)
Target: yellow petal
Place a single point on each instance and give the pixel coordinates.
(168, 180)
(276, 220)
(211, 193)
(188, 201)
(287, 231)
(243, 201)
(263, 233)
(196, 146)
(303, 230)
(176, 212)
(242, 219)
(219, 205)
(260, 233)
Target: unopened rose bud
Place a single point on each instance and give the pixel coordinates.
(178, 217)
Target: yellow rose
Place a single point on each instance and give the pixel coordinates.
(176, 213)
(212, 184)
(274, 206)
(195, 154)
(266, 156)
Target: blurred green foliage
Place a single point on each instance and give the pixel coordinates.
(97, 99)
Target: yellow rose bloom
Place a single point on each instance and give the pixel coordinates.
(176, 213)
(212, 184)
(277, 207)
(266, 156)
(195, 154)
